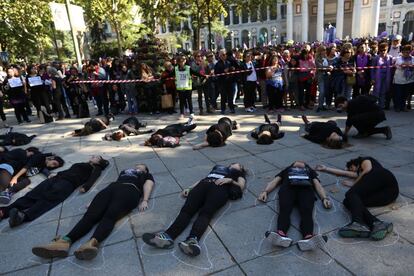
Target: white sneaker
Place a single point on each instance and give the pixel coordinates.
(250, 110)
(313, 243)
(278, 240)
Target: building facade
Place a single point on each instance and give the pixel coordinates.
(306, 20)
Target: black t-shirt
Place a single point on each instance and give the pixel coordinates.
(225, 130)
(135, 177)
(78, 174)
(319, 131)
(220, 171)
(38, 161)
(374, 163)
(284, 174)
(362, 104)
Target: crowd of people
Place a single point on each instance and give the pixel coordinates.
(302, 76)
(360, 78)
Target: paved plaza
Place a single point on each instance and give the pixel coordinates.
(234, 243)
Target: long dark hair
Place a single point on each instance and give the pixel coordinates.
(354, 162)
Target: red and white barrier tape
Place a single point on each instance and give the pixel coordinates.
(246, 71)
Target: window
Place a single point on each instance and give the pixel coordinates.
(245, 15)
(253, 16)
(383, 3)
(365, 2)
(235, 15)
(381, 28)
(397, 2)
(298, 9)
(283, 11)
(227, 18)
(273, 12)
(410, 1)
(263, 12)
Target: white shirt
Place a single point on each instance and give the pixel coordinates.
(400, 76)
(252, 76)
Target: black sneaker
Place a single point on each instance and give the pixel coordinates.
(380, 230)
(190, 247)
(16, 217)
(267, 120)
(388, 133)
(160, 240)
(354, 230)
(278, 240)
(313, 243)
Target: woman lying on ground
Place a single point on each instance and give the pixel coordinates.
(130, 126)
(133, 188)
(298, 185)
(15, 139)
(373, 186)
(217, 134)
(54, 190)
(16, 165)
(206, 197)
(325, 133)
(94, 125)
(170, 135)
(266, 133)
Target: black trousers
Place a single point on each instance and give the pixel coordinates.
(109, 205)
(102, 100)
(304, 97)
(206, 198)
(44, 197)
(60, 103)
(275, 96)
(151, 92)
(202, 89)
(377, 188)
(41, 98)
(304, 198)
(185, 99)
(19, 111)
(226, 93)
(365, 123)
(2, 115)
(249, 90)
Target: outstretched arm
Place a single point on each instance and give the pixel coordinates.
(269, 188)
(201, 145)
(323, 168)
(186, 191)
(148, 187)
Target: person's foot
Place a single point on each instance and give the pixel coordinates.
(5, 197)
(388, 133)
(302, 108)
(67, 116)
(380, 229)
(192, 115)
(354, 230)
(187, 110)
(201, 111)
(318, 110)
(249, 110)
(59, 119)
(190, 120)
(27, 121)
(16, 217)
(209, 110)
(305, 119)
(6, 125)
(232, 111)
(279, 118)
(312, 243)
(181, 116)
(58, 248)
(159, 240)
(222, 112)
(87, 251)
(278, 240)
(190, 247)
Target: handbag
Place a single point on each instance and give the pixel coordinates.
(351, 80)
(166, 101)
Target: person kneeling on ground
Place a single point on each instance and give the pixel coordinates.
(325, 133)
(94, 125)
(217, 134)
(130, 126)
(170, 135)
(298, 186)
(266, 133)
(31, 163)
(54, 190)
(133, 188)
(364, 114)
(206, 196)
(373, 186)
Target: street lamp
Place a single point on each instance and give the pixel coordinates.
(274, 30)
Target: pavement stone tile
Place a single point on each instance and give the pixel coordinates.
(284, 157)
(35, 270)
(403, 221)
(126, 262)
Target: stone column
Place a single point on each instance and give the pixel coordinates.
(340, 19)
(356, 19)
(375, 17)
(320, 20)
(231, 15)
(289, 20)
(305, 20)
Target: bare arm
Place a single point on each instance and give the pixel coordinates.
(322, 194)
(186, 191)
(366, 167)
(13, 181)
(201, 145)
(338, 172)
(269, 188)
(148, 187)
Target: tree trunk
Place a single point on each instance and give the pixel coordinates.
(118, 39)
(209, 25)
(196, 37)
